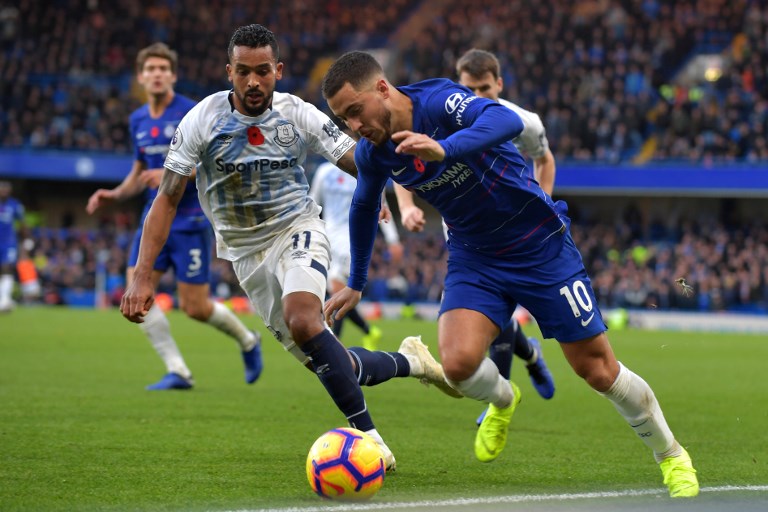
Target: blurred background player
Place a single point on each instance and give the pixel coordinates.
(480, 71)
(332, 189)
(11, 222)
(188, 249)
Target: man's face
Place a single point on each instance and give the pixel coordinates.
(364, 111)
(254, 72)
(485, 86)
(156, 76)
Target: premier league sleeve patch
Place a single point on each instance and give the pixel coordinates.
(177, 139)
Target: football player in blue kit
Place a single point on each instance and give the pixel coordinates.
(188, 250)
(11, 213)
(508, 241)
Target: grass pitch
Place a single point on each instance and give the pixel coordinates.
(79, 432)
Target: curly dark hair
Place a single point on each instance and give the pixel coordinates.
(254, 36)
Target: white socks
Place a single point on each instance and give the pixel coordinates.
(6, 287)
(158, 330)
(635, 401)
(486, 385)
(227, 322)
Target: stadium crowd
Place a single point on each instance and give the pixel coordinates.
(600, 74)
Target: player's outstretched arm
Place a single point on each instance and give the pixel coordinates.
(130, 186)
(139, 296)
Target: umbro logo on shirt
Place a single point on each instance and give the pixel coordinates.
(224, 139)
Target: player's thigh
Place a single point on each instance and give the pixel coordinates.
(559, 295)
(475, 285)
(464, 336)
(302, 271)
(190, 254)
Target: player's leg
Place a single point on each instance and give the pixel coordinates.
(464, 336)
(157, 329)
(529, 350)
(594, 361)
(565, 308)
(286, 285)
(7, 262)
(191, 254)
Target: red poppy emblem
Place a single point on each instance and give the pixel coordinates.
(155, 131)
(255, 137)
(418, 164)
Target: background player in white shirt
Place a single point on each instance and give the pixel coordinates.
(479, 70)
(249, 146)
(332, 189)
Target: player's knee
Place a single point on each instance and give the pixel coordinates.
(599, 376)
(197, 310)
(302, 325)
(458, 369)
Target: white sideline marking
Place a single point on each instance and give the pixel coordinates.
(520, 498)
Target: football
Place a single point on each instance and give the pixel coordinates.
(345, 464)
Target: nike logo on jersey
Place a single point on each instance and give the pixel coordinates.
(141, 135)
(585, 323)
(398, 172)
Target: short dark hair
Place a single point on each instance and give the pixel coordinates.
(353, 67)
(477, 63)
(160, 50)
(254, 36)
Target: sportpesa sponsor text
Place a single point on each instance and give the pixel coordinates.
(254, 165)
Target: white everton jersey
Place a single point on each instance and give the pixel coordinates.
(532, 141)
(250, 174)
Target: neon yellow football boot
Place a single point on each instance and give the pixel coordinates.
(679, 476)
(372, 339)
(492, 434)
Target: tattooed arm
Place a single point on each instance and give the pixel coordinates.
(139, 296)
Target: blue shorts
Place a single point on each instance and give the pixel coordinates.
(557, 292)
(188, 252)
(8, 254)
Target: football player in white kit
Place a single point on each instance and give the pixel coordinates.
(333, 189)
(249, 145)
(479, 70)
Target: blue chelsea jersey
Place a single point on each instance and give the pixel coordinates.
(482, 188)
(11, 211)
(151, 139)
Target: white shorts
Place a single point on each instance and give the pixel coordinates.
(340, 265)
(296, 262)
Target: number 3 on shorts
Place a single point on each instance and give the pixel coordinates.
(197, 262)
